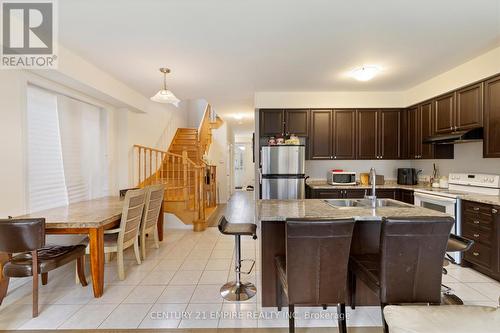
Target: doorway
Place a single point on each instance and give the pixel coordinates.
(244, 178)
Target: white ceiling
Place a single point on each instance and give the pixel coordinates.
(225, 50)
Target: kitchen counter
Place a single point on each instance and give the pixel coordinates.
(280, 210)
(481, 198)
(272, 214)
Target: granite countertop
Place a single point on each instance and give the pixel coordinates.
(280, 210)
(481, 198)
(85, 214)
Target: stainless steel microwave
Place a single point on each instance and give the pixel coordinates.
(341, 178)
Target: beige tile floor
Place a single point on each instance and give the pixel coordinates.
(177, 286)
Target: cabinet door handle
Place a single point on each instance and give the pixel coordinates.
(494, 211)
(475, 209)
(476, 222)
(476, 235)
(475, 254)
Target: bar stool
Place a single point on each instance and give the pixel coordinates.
(314, 270)
(238, 290)
(408, 268)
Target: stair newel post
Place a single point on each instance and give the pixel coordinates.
(185, 178)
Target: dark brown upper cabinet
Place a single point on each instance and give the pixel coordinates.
(469, 107)
(491, 145)
(389, 134)
(344, 134)
(320, 140)
(271, 122)
(459, 110)
(367, 134)
(419, 127)
(413, 132)
(426, 151)
(403, 134)
(444, 114)
(297, 122)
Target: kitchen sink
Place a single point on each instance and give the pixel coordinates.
(385, 203)
(366, 203)
(344, 202)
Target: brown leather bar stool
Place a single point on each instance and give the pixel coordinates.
(238, 290)
(314, 271)
(408, 268)
(26, 237)
(455, 244)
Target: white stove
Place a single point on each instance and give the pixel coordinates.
(448, 200)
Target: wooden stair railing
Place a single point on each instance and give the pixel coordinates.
(190, 183)
(185, 182)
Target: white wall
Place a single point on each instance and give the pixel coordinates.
(468, 158)
(319, 169)
(218, 155)
(334, 99)
(195, 109)
(476, 69)
(128, 124)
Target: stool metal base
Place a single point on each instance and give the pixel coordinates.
(231, 291)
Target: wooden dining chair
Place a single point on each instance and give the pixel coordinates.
(152, 210)
(127, 235)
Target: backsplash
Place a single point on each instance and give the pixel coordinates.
(468, 158)
(388, 168)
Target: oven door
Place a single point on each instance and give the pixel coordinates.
(437, 203)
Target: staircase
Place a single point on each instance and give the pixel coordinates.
(190, 183)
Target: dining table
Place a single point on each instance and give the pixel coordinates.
(89, 217)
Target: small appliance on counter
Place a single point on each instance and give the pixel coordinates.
(340, 177)
(408, 176)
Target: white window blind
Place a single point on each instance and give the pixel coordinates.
(66, 148)
(47, 186)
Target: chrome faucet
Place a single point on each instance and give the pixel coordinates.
(373, 197)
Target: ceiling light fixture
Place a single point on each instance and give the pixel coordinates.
(365, 73)
(165, 95)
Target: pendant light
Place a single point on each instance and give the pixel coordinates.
(165, 95)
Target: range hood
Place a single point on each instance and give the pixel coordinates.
(472, 135)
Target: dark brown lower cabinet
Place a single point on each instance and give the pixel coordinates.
(481, 223)
(387, 193)
(357, 193)
(406, 196)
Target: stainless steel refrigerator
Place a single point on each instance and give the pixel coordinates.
(283, 172)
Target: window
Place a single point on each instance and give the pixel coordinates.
(66, 150)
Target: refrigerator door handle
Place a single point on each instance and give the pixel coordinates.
(260, 176)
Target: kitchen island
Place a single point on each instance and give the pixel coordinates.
(271, 216)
